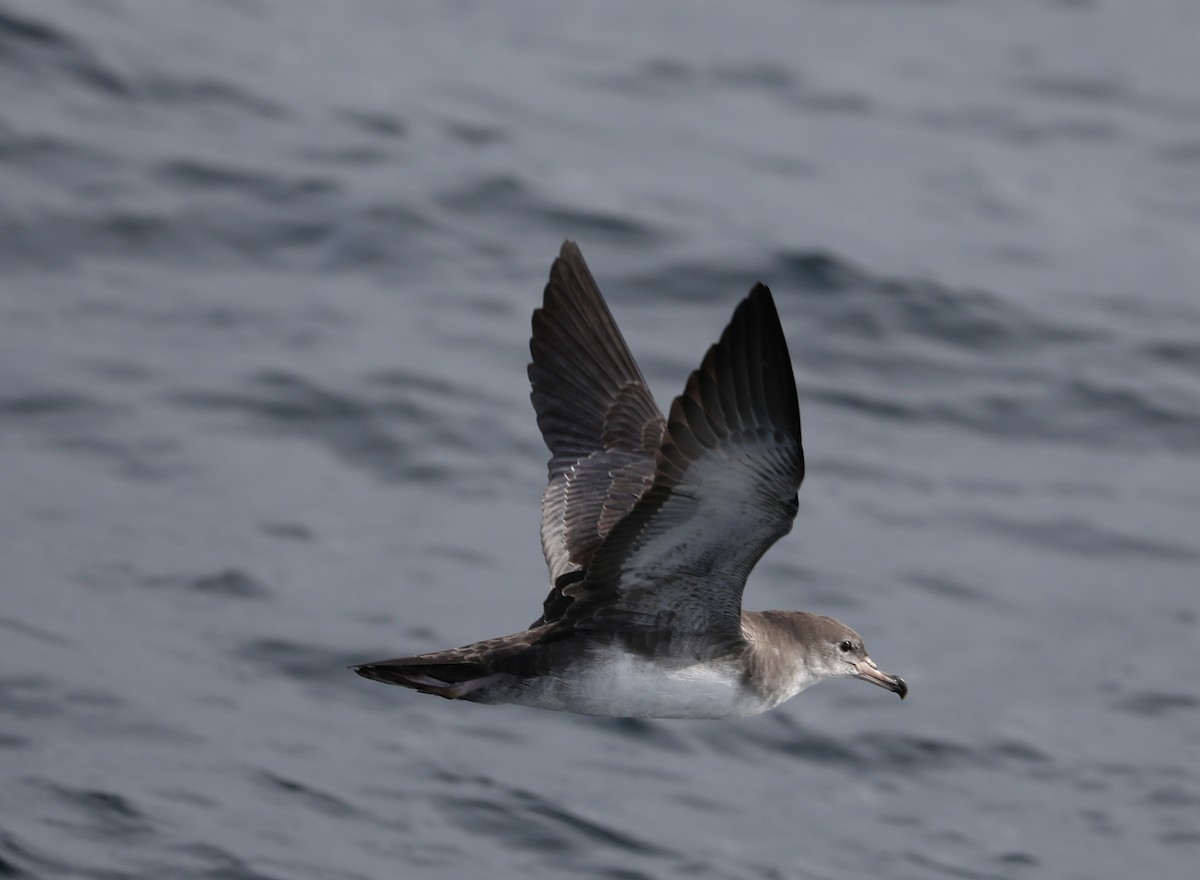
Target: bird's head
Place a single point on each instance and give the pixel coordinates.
(840, 653)
(827, 649)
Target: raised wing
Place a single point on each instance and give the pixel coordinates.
(727, 474)
(597, 417)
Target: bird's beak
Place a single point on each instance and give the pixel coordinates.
(868, 671)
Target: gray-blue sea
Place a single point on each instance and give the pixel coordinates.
(266, 274)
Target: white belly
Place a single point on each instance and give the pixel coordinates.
(620, 685)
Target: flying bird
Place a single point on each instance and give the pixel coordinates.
(650, 527)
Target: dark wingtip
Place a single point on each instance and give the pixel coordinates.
(759, 291)
(756, 321)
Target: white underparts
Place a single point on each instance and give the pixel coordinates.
(623, 685)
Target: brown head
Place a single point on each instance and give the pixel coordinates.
(816, 648)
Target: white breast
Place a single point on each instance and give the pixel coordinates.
(622, 685)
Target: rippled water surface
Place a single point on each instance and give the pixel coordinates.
(266, 270)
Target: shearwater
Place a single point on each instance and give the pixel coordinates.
(650, 528)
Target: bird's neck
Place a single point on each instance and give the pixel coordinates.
(777, 661)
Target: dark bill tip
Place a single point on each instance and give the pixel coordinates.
(868, 671)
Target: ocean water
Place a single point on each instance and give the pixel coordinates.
(266, 271)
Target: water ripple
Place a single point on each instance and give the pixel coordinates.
(524, 820)
(33, 48)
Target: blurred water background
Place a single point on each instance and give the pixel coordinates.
(266, 271)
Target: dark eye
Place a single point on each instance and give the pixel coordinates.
(846, 646)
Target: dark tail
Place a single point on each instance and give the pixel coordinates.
(460, 674)
(453, 681)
